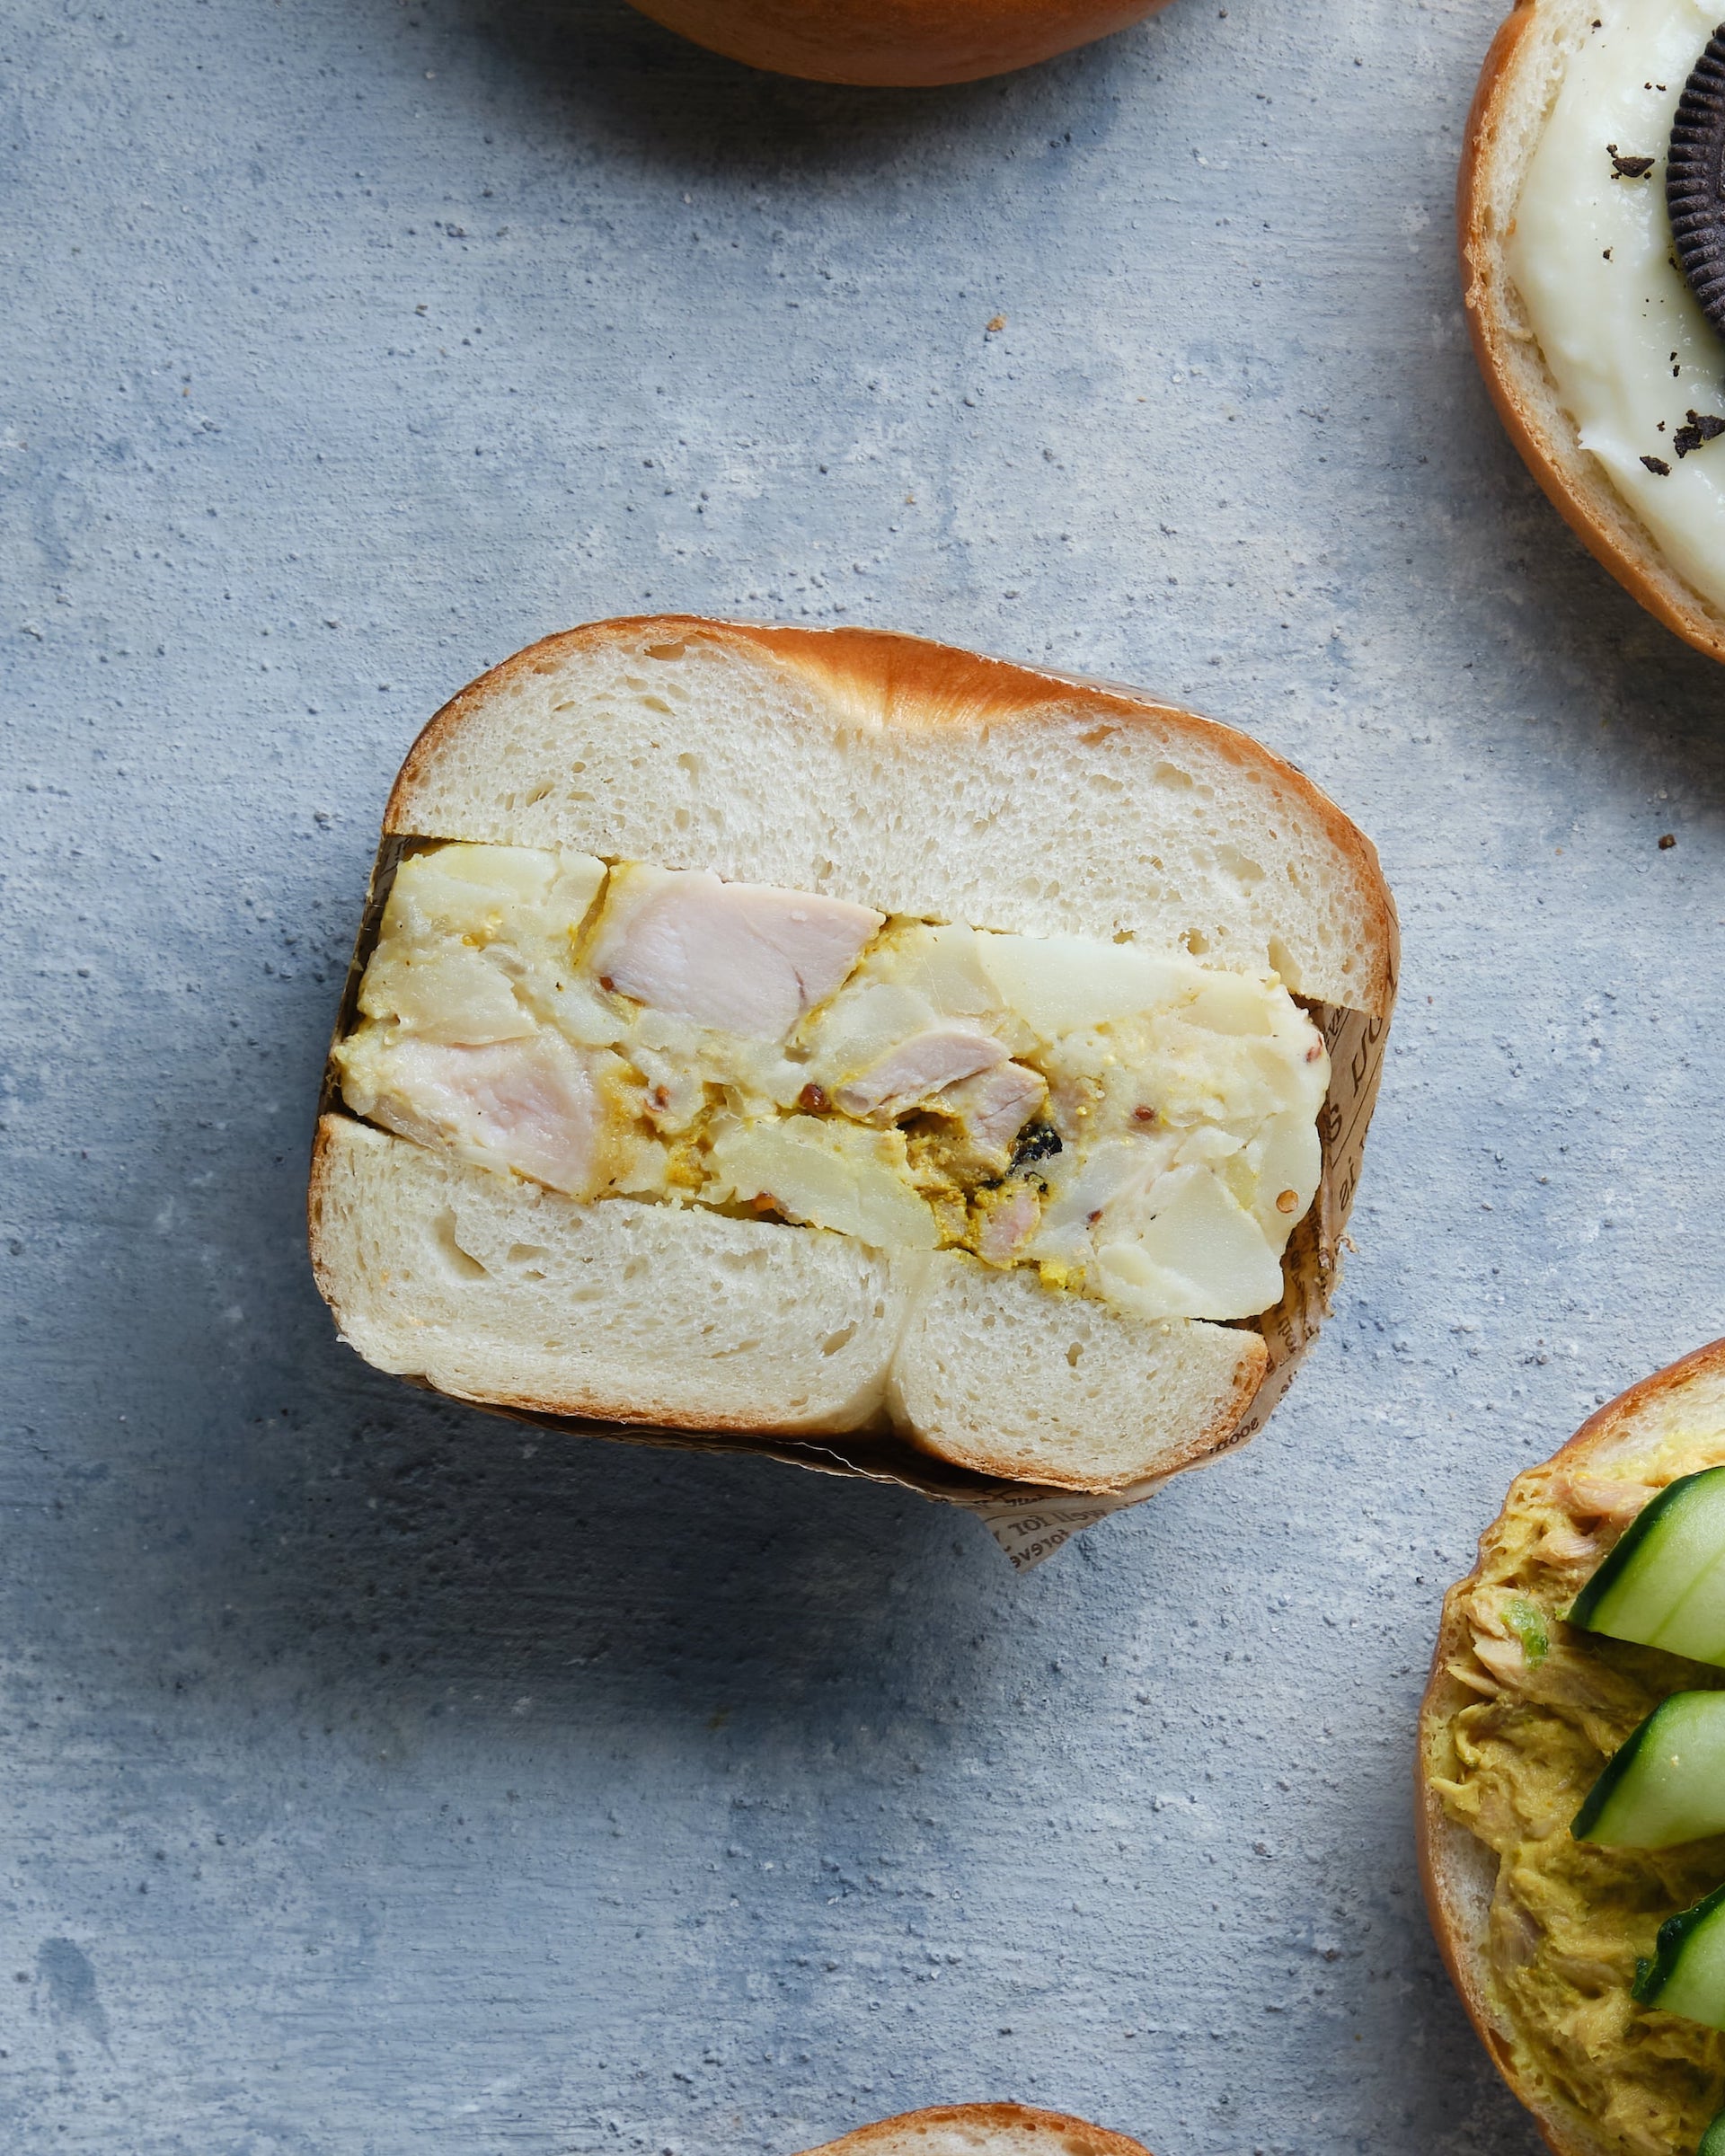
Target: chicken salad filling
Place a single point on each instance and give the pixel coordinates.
(1130, 1123)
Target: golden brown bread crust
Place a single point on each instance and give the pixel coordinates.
(913, 683)
(1453, 1866)
(1058, 2134)
(895, 42)
(1514, 369)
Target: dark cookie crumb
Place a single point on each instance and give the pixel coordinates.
(1703, 427)
(1628, 168)
(1657, 467)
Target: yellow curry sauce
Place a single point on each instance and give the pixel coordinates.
(1569, 1920)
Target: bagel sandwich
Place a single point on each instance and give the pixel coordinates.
(981, 2130)
(1598, 353)
(886, 43)
(1549, 1932)
(779, 1035)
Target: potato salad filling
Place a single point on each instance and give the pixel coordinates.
(1136, 1126)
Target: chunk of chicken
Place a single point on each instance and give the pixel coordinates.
(740, 957)
(536, 1105)
(1005, 1227)
(928, 1063)
(989, 1108)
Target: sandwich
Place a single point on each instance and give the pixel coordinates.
(902, 42)
(981, 2130)
(780, 1035)
(1571, 1801)
(1589, 219)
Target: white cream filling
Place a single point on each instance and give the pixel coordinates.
(1629, 350)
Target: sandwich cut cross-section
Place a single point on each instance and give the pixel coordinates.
(766, 1035)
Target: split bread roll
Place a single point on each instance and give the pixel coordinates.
(1605, 326)
(902, 42)
(981, 2130)
(1540, 1933)
(679, 792)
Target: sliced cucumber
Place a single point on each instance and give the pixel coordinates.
(1713, 2142)
(1664, 1584)
(1696, 1627)
(1667, 1784)
(1687, 1974)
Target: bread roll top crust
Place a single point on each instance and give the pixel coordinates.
(981, 2130)
(912, 778)
(895, 42)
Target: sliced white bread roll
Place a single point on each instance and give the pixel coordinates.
(1517, 90)
(495, 1290)
(913, 780)
(1609, 2076)
(997, 1372)
(981, 2130)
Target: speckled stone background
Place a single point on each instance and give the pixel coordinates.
(377, 1778)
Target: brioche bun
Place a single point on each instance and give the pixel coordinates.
(1523, 74)
(902, 43)
(1665, 1415)
(981, 2130)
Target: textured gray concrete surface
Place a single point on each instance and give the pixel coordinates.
(378, 1778)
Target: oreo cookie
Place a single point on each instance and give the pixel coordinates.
(1694, 181)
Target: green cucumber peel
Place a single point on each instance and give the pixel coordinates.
(1666, 1784)
(1617, 1560)
(1603, 1790)
(1653, 1976)
(1713, 2142)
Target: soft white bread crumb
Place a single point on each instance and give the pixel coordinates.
(981, 2130)
(1519, 87)
(914, 779)
(497, 1290)
(999, 1373)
